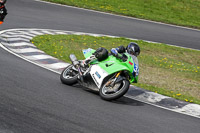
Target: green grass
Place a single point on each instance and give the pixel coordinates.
(164, 69)
(178, 12)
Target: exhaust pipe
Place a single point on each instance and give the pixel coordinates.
(76, 64)
(73, 59)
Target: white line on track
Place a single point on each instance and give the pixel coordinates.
(81, 33)
(26, 50)
(26, 59)
(17, 36)
(21, 44)
(39, 57)
(56, 65)
(16, 39)
(173, 110)
(118, 15)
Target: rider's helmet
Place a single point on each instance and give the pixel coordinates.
(2, 2)
(133, 49)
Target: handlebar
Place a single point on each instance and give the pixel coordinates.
(123, 57)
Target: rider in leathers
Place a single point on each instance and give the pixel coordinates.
(132, 49)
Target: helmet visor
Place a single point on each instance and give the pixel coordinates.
(132, 51)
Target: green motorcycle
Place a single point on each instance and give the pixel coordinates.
(111, 77)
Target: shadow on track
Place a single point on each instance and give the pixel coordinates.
(128, 101)
(123, 100)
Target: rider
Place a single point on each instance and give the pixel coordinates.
(3, 11)
(132, 49)
(102, 53)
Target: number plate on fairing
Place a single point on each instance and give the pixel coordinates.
(98, 74)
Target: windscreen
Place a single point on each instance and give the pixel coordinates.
(136, 65)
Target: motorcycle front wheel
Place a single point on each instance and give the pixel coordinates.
(108, 92)
(69, 75)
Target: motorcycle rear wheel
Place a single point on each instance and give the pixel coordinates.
(120, 89)
(69, 75)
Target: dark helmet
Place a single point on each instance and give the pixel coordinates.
(133, 49)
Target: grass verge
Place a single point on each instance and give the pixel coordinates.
(164, 69)
(178, 12)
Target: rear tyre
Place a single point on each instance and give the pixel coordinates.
(118, 90)
(69, 75)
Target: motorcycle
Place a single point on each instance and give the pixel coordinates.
(111, 77)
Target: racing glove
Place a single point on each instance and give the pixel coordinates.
(114, 51)
(121, 49)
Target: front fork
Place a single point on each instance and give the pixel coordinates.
(112, 83)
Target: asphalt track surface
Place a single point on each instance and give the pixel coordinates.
(33, 100)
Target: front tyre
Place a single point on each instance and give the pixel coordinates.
(108, 92)
(69, 75)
